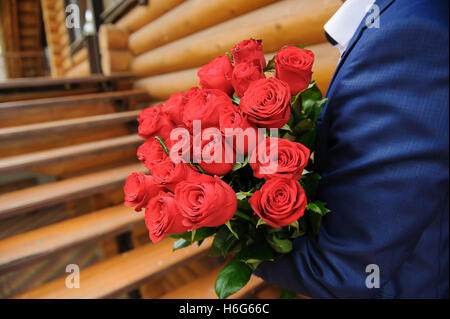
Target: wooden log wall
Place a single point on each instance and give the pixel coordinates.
(142, 15)
(165, 51)
(113, 44)
(20, 38)
(62, 63)
(54, 16)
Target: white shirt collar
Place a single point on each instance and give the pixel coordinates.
(344, 23)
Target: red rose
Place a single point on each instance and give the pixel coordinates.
(217, 157)
(180, 148)
(205, 201)
(151, 153)
(277, 157)
(217, 75)
(139, 189)
(279, 202)
(249, 51)
(238, 130)
(168, 174)
(174, 108)
(267, 103)
(293, 66)
(153, 122)
(163, 217)
(243, 75)
(204, 105)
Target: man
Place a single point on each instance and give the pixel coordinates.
(383, 154)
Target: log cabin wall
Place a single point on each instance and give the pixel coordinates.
(21, 39)
(62, 62)
(166, 42)
(54, 16)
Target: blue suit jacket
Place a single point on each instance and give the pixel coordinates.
(383, 152)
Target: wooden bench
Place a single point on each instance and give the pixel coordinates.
(122, 273)
(46, 87)
(24, 84)
(23, 201)
(64, 100)
(40, 243)
(70, 152)
(70, 124)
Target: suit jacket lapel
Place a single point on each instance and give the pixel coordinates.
(383, 5)
(322, 122)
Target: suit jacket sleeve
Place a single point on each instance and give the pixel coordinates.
(386, 168)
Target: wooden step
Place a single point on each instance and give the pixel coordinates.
(45, 82)
(15, 163)
(74, 99)
(40, 243)
(203, 288)
(71, 124)
(122, 273)
(23, 201)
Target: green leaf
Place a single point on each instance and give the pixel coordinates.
(196, 166)
(321, 104)
(248, 194)
(253, 264)
(310, 183)
(283, 246)
(299, 46)
(270, 65)
(286, 127)
(295, 100)
(238, 166)
(294, 225)
(161, 141)
(298, 233)
(308, 139)
(236, 100)
(256, 252)
(260, 222)
(240, 196)
(244, 205)
(223, 242)
(243, 215)
(286, 294)
(230, 56)
(204, 232)
(312, 102)
(299, 228)
(317, 210)
(232, 278)
(257, 235)
(318, 207)
(302, 127)
(315, 221)
(180, 243)
(228, 224)
(199, 234)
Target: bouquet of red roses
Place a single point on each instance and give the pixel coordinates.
(231, 160)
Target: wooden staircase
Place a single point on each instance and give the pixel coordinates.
(66, 148)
